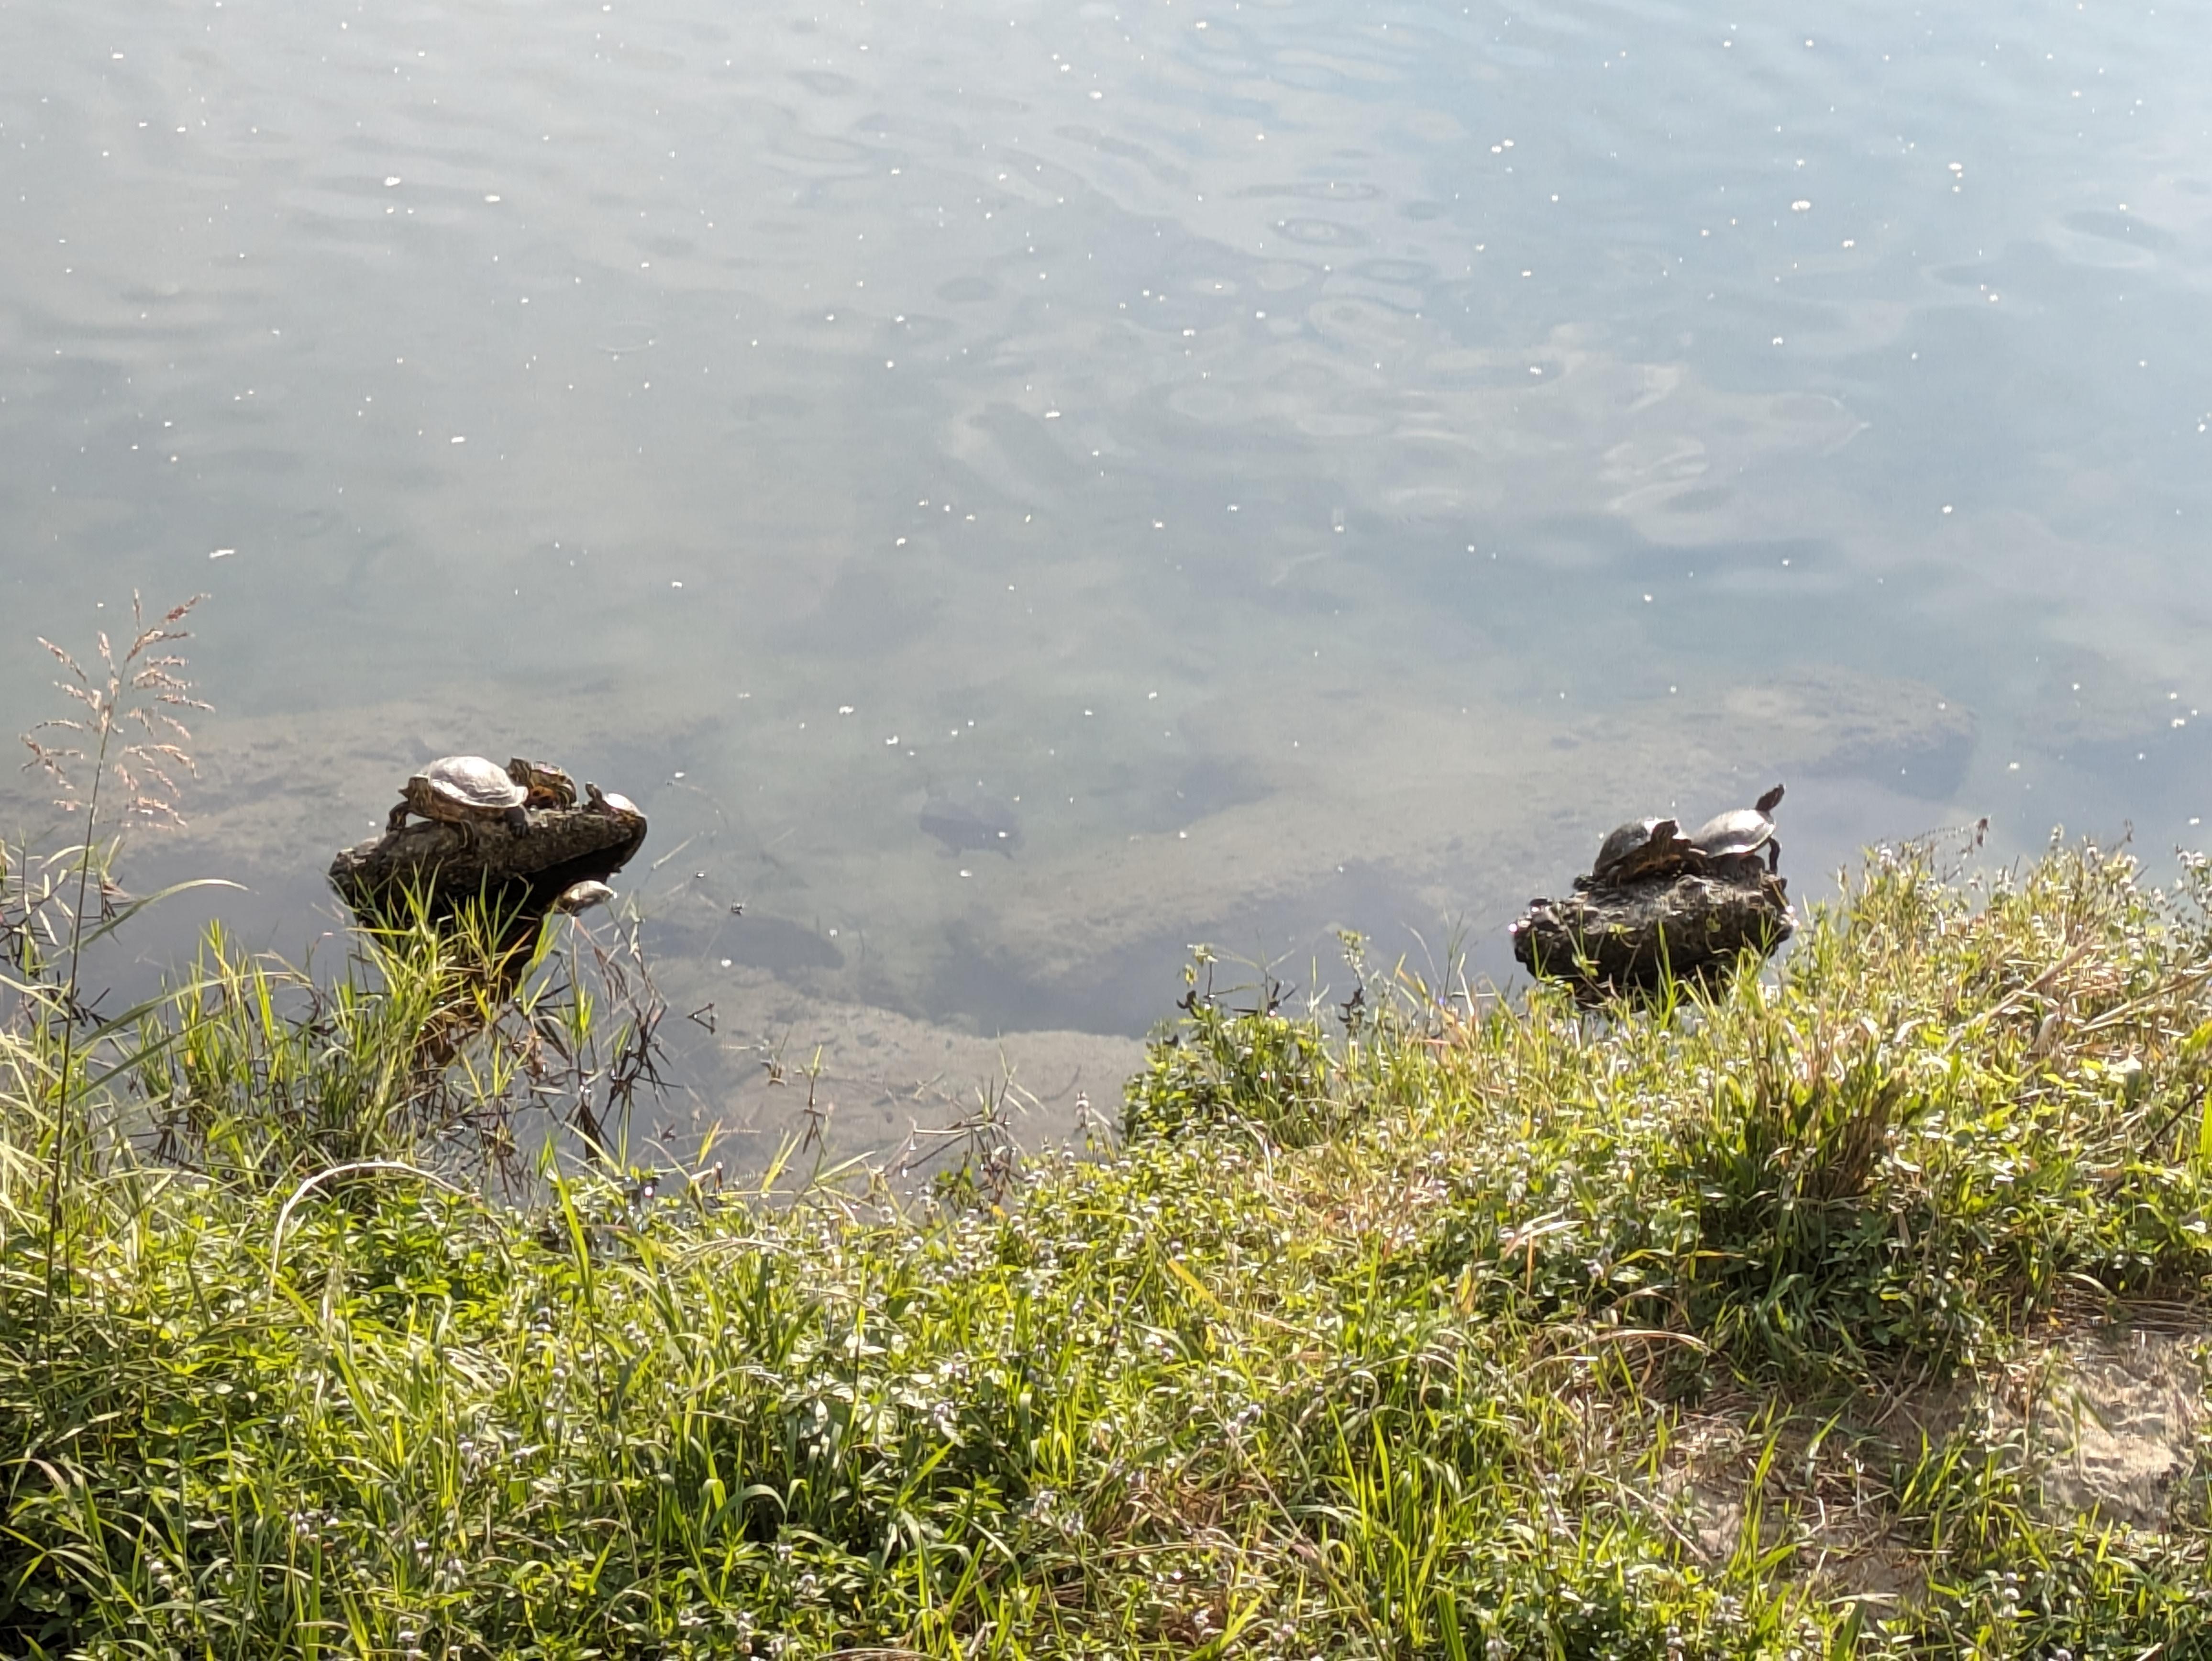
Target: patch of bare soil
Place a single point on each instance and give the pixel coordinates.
(1821, 1495)
(2114, 1418)
(2108, 1419)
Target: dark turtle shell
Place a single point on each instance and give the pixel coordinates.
(547, 785)
(1639, 849)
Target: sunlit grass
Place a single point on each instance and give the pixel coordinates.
(1397, 1339)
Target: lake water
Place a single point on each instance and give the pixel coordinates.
(1291, 466)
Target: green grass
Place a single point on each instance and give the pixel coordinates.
(1502, 1331)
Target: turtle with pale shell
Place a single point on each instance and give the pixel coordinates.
(464, 790)
(613, 807)
(1739, 837)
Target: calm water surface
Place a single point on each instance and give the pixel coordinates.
(1291, 465)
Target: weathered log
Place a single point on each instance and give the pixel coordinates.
(1606, 941)
(523, 872)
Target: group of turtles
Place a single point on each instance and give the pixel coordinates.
(471, 792)
(1731, 844)
(1659, 905)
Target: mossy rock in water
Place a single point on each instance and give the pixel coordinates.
(1633, 938)
(556, 849)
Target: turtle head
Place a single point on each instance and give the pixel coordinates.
(1769, 801)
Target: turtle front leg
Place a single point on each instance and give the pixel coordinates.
(396, 821)
(518, 822)
(1773, 856)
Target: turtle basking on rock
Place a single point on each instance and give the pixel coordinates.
(558, 859)
(614, 807)
(548, 786)
(1739, 834)
(464, 790)
(1658, 904)
(1639, 850)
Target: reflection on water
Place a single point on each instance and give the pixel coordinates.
(1290, 465)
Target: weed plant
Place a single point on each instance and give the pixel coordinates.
(459, 1041)
(1424, 1327)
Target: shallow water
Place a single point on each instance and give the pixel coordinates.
(1303, 464)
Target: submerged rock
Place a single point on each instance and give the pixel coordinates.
(982, 821)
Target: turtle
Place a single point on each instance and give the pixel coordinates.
(548, 786)
(582, 896)
(1741, 832)
(464, 790)
(1640, 849)
(614, 807)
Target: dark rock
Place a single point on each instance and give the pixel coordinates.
(524, 873)
(1631, 937)
(980, 822)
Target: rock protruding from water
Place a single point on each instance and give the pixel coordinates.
(1609, 940)
(525, 872)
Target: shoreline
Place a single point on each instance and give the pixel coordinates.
(1860, 1308)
